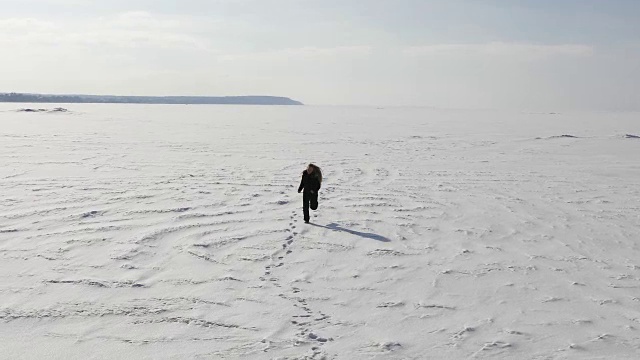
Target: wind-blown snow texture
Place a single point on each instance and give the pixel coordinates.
(173, 232)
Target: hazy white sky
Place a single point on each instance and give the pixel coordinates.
(518, 54)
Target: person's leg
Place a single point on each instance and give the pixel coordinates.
(305, 205)
(314, 201)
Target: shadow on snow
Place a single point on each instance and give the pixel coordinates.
(336, 227)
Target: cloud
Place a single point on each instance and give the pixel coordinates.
(126, 30)
(300, 53)
(144, 20)
(501, 49)
(21, 25)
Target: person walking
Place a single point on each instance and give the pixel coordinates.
(310, 184)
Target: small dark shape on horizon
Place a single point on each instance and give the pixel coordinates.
(58, 109)
(631, 136)
(565, 136)
(32, 110)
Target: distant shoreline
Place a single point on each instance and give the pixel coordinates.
(167, 100)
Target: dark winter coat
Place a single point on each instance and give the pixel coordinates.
(309, 182)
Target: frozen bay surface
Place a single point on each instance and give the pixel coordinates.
(170, 232)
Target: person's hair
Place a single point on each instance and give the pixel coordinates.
(317, 171)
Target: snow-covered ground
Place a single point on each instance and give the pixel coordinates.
(170, 232)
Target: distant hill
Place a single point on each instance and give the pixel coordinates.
(110, 99)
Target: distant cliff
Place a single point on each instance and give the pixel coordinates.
(109, 99)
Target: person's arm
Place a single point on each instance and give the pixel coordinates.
(316, 185)
(301, 184)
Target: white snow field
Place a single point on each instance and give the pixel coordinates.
(176, 232)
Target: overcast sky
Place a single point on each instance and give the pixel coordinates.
(517, 54)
